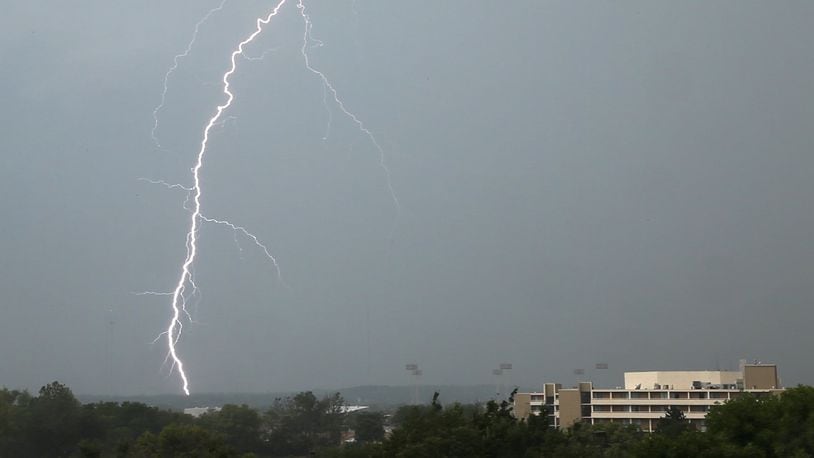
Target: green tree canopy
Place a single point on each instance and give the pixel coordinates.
(368, 426)
(240, 425)
(304, 423)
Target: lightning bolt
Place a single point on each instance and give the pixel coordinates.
(150, 293)
(175, 62)
(186, 287)
(236, 229)
(248, 234)
(174, 328)
(306, 38)
(328, 111)
(262, 56)
(166, 184)
(317, 43)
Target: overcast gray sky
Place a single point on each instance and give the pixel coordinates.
(580, 182)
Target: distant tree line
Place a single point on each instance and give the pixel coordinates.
(55, 424)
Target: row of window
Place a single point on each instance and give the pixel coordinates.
(664, 394)
(648, 408)
(644, 423)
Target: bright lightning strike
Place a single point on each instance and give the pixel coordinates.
(175, 326)
(186, 287)
(175, 61)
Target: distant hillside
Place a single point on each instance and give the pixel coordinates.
(376, 396)
(389, 396)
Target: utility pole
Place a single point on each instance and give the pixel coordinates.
(110, 324)
(417, 373)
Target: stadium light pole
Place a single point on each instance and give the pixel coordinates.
(505, 368)
(417, 373)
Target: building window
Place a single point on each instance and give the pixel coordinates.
(642, 423)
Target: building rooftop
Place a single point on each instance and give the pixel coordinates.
(681, 380)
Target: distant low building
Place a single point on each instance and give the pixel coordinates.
(198, 411)
(646, 396)
(352, 408)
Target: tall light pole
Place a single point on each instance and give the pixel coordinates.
(579, 374)
(497, 373)
(110, 324)
(417, 373)
(505, 368)
(600, 367)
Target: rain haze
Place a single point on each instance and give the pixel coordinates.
(620, 182)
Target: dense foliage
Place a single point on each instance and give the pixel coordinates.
(54, 424)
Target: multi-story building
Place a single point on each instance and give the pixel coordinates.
(646, 396)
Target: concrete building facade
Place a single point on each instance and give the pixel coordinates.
(646, 396)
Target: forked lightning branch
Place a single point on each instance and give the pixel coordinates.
(185, 287)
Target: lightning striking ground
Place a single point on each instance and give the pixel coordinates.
(186, 288)
(175, 326)
(175, 61)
